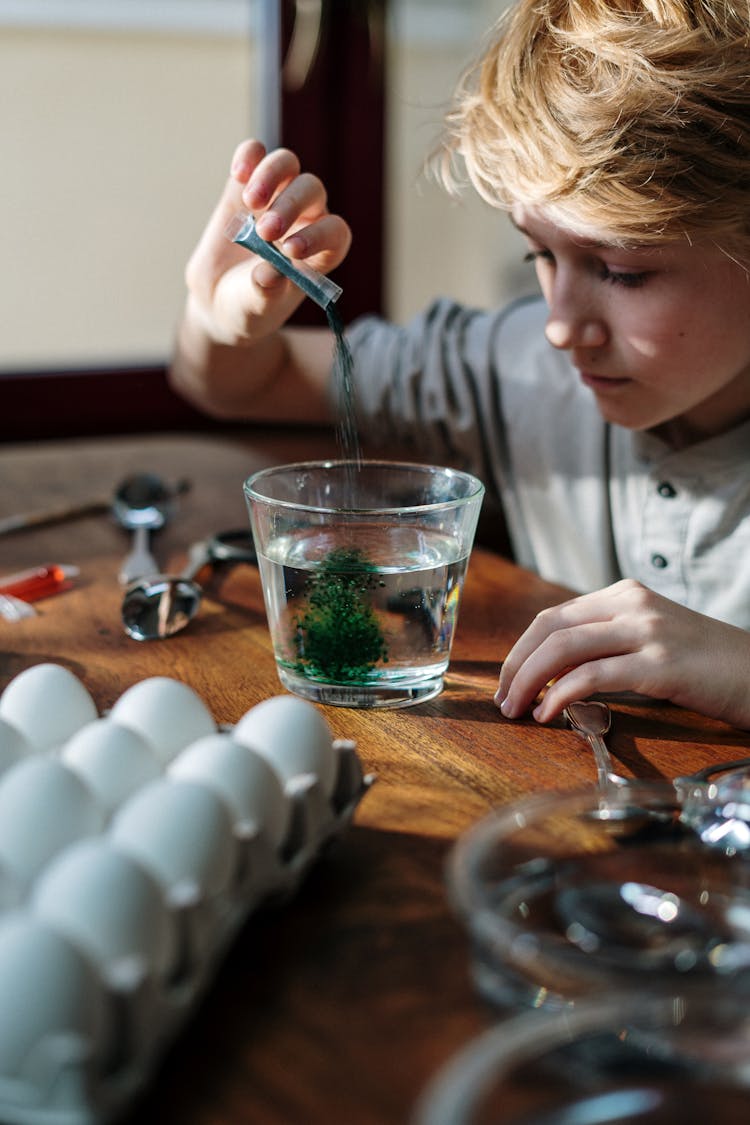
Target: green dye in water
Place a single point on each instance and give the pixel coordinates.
(339, 638)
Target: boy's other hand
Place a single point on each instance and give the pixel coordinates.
(627, 638)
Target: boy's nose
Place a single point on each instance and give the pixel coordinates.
(569, 332)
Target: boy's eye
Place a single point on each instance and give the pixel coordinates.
(629, 279)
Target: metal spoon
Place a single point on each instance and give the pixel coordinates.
(160, 605)
(718, 812)
(142, 503)
(592, 720)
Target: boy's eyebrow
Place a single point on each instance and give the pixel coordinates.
(591, 243)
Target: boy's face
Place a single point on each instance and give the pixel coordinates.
(660, 334)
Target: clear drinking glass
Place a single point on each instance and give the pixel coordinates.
(362, 566)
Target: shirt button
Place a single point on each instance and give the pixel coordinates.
(659, 561)
(667, 490)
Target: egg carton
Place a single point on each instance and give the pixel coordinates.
(133, 847)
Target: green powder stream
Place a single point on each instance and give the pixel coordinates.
(343, 377)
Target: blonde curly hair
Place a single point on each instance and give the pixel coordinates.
(625, 116)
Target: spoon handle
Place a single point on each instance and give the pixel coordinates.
(591, 720)
(604, 769)
(139, 562)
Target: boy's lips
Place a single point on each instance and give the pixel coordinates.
(602, 382)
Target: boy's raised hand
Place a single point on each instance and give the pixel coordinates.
(628, 638)
(238, 296)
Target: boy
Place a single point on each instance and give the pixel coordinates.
(612, 419)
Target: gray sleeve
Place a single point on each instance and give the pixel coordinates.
(434, 385)
(486, 392)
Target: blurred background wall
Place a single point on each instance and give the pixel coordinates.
(117, 120)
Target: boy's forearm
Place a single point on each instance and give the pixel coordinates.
(221, 379)
(282, 377)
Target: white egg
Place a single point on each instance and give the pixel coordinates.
(166, 712)
(14, 745)
(181, 832)
(292, 735)
(49, 989)
(48, 704)
(108, 905)
(112, 759)
(248, 784)
(44, 806)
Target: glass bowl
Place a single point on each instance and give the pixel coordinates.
(565, 895)
(603, 1062)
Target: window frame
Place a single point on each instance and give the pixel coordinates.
(323, 123)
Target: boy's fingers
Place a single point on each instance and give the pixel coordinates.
(268, 278)
(269, 178)
(329, 237)
(247, 156)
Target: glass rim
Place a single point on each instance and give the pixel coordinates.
(464, 860)
(459, 1087)
(475, 492)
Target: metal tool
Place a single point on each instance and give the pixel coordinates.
(161, 605)
(142, 503)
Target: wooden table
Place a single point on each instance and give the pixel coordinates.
(337, 1007)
